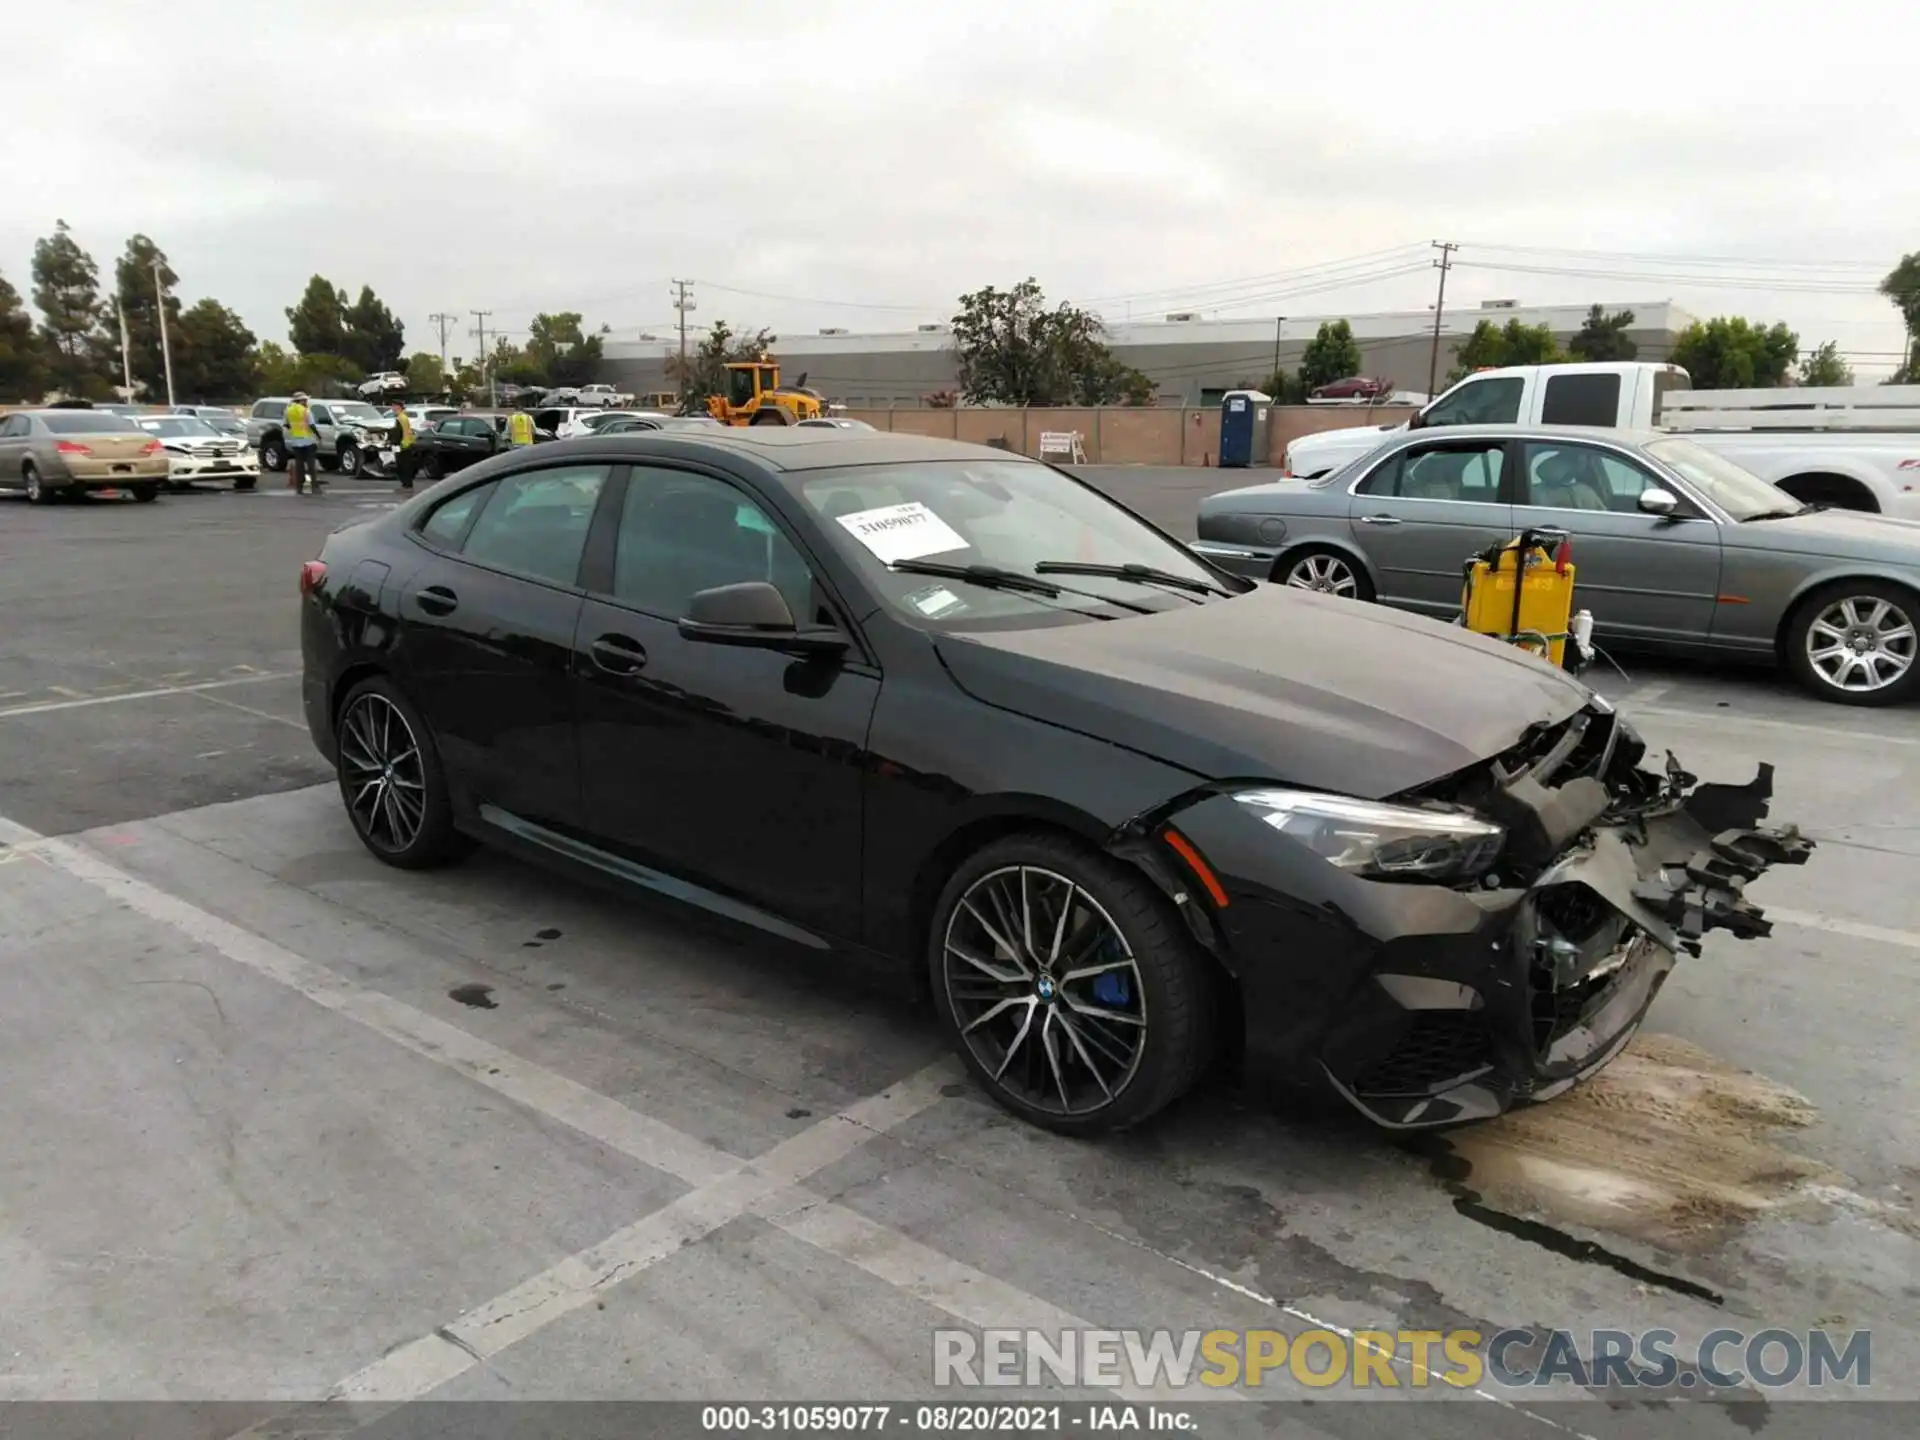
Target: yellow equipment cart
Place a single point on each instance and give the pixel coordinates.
(1522, 592)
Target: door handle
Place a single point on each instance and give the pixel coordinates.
(617, 655)
(438, 600)
(1379, 519)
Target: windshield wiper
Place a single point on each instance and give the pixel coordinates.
(995, 578)
(1144, 574)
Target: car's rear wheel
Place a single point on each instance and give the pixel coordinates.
(1327, 571)
(391, 779)
(145, 494)
(1069, 986)
(1857, 642)
(37, 491)
(434, 468)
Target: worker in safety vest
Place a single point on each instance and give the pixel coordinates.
(403, 433)
(519, 430)
(303, 446)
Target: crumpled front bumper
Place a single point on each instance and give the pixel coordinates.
(1425, 1005)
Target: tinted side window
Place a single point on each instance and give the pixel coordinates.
(449, 522)
(269, 409)
(1385, 480)
(1453, 472)
(1478, 402)
(1579, 477)
(536, 523)
(1581, 400)
(12, 426)
(322, 415)
(681, 534)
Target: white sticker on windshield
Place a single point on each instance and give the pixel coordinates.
(902, 532)
(936, 602)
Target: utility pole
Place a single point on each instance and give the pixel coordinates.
(479, 332)
(683, 302)
(443, 323)
(1278, 321)
(126, 350)
(166, 351)
(1444, 263)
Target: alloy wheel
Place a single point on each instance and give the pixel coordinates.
(1045, 990)
(1862, 643)
(1328, 574)
(349, 460)
(384, 773)
(36, 487)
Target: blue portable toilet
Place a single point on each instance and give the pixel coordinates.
(1243, 428)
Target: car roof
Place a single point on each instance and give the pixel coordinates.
(1533, 432)
(792, 448)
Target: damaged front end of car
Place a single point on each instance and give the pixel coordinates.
(1436, 997)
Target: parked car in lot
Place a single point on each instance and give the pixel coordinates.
(348, 432)
(63, 454)
(637, 424)
(1118, 811)
(197, 451)
(383, 385)
(457, 441)
(565, 421)
(424, 415)
(835, 422)
(1675, 548)
(603, 396)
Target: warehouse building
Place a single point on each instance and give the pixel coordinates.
(1192, 360)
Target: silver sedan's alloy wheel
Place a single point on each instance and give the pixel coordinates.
(1862, 643)
(1045, 990)
(36, 488)
(384, 773)
(1328, 574)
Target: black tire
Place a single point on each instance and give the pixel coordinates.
(145, 494)
(246, 482)
(769, 415)
(434, 468)
(1850, 610)
(273, 454)
(1175, 1028)
(38, 491)
(430, 840)
(349, 461)
(1299, 569)
(328, 463)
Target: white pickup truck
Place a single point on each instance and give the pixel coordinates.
(1853, 447)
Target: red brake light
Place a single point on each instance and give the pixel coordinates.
(152, 447)
(1563, 557)
(72, 447)
(311, 574)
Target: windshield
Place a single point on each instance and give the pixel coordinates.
(225, 424)
(87, 422)
(1740, 493)
(355, 410)
(1006, 514)
(176, 426)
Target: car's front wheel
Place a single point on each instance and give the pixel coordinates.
(1327, 571)
(1071, 989)
(273, 456)
(1857, 642)
(350, 460)
(391, 779)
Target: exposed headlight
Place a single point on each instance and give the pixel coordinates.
(1383, 842)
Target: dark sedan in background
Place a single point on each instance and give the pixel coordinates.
(953, 710)
(457, 441)
(1675, 549)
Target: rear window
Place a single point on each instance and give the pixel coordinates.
(1665, 382)
(87, 422)
(1581, 400)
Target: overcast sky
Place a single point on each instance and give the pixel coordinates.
(859, 163)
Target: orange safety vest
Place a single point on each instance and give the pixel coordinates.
(520, 428)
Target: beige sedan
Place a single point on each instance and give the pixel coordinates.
(65, 454)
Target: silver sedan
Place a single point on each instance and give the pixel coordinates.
(1675, 549)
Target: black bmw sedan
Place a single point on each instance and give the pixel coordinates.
(1120, 812)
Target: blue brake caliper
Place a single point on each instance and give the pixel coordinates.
(1113, 987)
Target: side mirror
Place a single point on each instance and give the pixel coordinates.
(1655, 501)
(754, 613)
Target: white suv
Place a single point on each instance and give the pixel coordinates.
(387, 382)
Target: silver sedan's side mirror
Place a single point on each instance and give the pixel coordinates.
(1656, 501)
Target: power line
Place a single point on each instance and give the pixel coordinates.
(1808, 286)
(1657, 258)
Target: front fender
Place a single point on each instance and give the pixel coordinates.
(1839, 570)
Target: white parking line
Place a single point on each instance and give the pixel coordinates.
(46, 706)
(1717, 718)
(1810, 920)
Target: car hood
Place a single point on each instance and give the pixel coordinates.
(1848, 533)
(1275, 685)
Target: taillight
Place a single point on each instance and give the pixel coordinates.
(152, 447)
(311, 574)
(1563, 557)
(72, 447)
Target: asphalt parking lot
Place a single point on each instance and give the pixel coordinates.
(283, 1123)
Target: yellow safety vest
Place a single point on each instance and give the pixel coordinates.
(520, 429)
(298, 427)
(406, 428)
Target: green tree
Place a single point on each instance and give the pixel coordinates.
(373, 338)
(1823, 365)
(1333, 354)
(23, 369)
(66, 291)
(425, 374)
(1013, 350)
(213, 354)
(1284, 387)
(1490, 346)
(281, 372)
(1902, 287)
(564, 354)
(1604, 337)
(143, 283)
(1730, 353)
(705, 371)
(318, 324)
